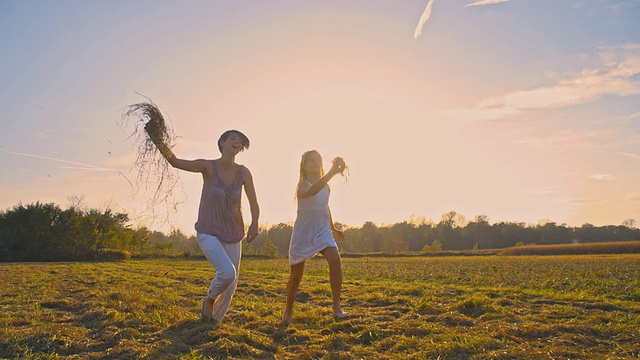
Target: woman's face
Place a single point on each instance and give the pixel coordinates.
(313, 163)
(233, 143)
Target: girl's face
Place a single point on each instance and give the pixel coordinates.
(233, 143)
(312, 163)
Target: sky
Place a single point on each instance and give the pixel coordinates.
(519, 110)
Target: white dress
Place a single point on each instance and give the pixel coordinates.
(312, 228)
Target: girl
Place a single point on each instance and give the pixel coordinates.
(313, 230)
(220, 226)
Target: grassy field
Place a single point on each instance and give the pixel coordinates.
(490, 307)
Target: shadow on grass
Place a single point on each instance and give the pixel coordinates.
(180, 338)
(212, 340)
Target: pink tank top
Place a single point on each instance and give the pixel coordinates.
(220, 214)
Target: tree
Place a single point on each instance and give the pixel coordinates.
(280, 236)
(435, 247)
(268, 248)
(630, 223)
(371, 237)
(44, 232)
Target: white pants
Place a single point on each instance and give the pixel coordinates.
(225, 258)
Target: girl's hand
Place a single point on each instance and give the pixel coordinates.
(337, 165)
(165, 151)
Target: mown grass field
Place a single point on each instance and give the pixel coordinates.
(490, 307)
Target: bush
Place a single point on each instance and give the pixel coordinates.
(435, 247)
(111, 255)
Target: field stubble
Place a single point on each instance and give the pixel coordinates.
(491, 307)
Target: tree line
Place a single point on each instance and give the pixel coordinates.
(46, 232)
(454, 233)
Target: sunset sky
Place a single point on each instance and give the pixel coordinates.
(520, 110)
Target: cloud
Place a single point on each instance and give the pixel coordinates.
(618, 76)
(629, 155)
(426, 14)
(486, 2)
(634, 196)
(539, 191)
(580, 201)
(576, 202)
(602, 177)
(569, 138)
(585, 87)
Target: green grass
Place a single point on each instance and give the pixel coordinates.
(490, 307)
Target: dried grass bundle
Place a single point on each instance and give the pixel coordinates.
(150, 132)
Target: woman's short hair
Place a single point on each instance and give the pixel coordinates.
(243, 138)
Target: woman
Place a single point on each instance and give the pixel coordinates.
(220, 227)
(313, 230)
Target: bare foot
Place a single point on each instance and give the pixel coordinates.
(286, 318)
(339, 314)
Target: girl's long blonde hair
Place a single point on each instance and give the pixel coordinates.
(303, 175)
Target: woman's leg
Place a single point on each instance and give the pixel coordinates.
(222, 303)
(226, 272)
(335, 278)
(292, 289)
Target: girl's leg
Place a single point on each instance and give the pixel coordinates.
(226, 272)
(335, 278)
(222, 303)
(292, 288)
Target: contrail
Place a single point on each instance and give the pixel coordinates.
(423, 19)
(486, 2)
(83, 166)
(92, 167)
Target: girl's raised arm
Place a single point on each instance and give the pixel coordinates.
(337, 167)
(199, 165)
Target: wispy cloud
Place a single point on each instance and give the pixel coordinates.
(539, 191)
(486, 2)
(618, 76)
(634, 196)
(603, 177)
(629, 155)
(577, 202)
(563, 138)
(426, 14)
(585, 87)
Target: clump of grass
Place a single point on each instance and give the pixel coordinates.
(473, 306)
(151, 134)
